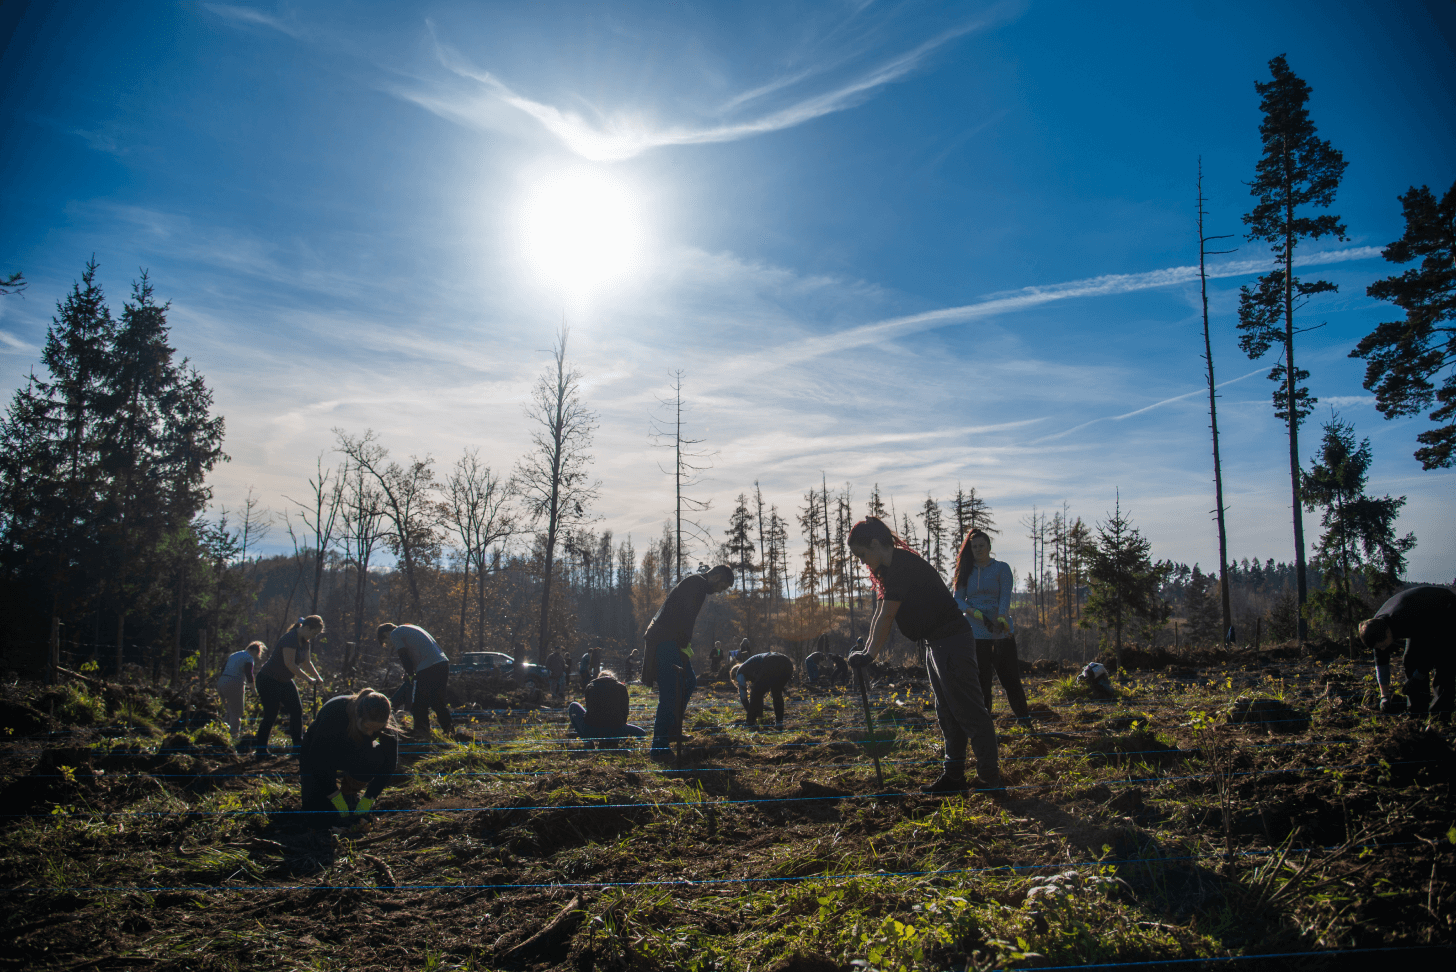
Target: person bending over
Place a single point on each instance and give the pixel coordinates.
(667, 653)
(911, 594)
(768, 672)
(352, 736)
(816, 666)
(430, 669)
(1425, 618)
(983, 592)
(604, 716)
(232, 684)
(290, 657)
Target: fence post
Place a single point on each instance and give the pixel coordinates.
(54, 660)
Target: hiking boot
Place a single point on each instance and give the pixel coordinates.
(947, 783)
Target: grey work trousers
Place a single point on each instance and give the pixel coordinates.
(232, 689)
(956, 681)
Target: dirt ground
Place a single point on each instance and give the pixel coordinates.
(1222, 807)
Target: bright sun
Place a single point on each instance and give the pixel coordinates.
(582, 229)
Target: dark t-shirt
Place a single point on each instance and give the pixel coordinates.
(329, 749)
(1425, 615)
(770, 668)
(675, 619)
(606, 703)
(275, 667)
(927, 612)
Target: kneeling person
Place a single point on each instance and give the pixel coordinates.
(352, 735)
(427, 666)
(604, 717)
(766, 672)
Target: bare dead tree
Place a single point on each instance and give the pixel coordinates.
(687, 471)
(320, 516)
(361, 531)
(552, 478)
(1203, 251)
(477, 511)
(408, 502)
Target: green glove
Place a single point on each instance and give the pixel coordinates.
(340, 803)
(364, 805)
(978, 615)
(1001, 623)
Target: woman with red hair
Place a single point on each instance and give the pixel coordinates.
(912, 595)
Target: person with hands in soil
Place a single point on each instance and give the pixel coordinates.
(426, 664)
(603, 717)
(983, 592)
(1425, 618)
(353, 736)
(290, 658)
(767, 672)
(237, 674)
(911, 594)
(667, 653)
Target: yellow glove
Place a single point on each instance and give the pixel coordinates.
(978, 615)
(1001, 623)
(341, 804)
(364, 805)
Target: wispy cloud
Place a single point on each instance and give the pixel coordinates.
(251, 16)
(1145, 408)
(624, 135)
(1001, 303)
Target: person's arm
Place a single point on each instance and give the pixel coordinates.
(1382, 669)
(312, 671)
(743, 688)
(390, 760)
(290, 660)
(880, 627)
(1003, 603)
(252, 674)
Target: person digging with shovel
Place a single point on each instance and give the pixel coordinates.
(911, 594)
(667, 653)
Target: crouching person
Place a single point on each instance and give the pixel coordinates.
(352, 736)
(1425, 619)
(1096, 677)
(767, 672)
(604, 717)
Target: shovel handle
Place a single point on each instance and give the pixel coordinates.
(864, 697)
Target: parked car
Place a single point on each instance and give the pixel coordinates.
(497, 663)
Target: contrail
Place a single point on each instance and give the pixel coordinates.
(1145, 408)
(996, 304)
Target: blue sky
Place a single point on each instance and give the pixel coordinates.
(905, 243)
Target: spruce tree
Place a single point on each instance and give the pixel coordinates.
(1124, 583)
(1359, 543)
(1297, 172)
(1404, 356)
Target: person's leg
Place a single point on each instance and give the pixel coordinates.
(576, 712)
(270, 694)
(664, 725)
(778, 702)
(755, 702)
(435, 680)
(231, 691)
(420, 709)
(952, 734)
(985, 666)
(1008, 669)
(319, 812)
(954, 665)
(294, 705)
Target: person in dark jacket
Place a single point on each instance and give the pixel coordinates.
(912, 595)
(667, 654)
(603, 717)
(767, 672)
(983, 591)
(716, 656)
(290, 657)
(816, 666)
(583, 668)
(1424, 618)
(353, 736)
(841, 666)
(556, 672)
(427, 665)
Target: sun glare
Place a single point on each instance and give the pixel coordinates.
(583, 229)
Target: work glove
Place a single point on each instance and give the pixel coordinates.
(1394, 704)
(978, 615)
(858, 659)
(1001, 624)
(364, 805)
(340, 804)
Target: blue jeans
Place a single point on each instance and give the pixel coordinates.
(665, 727)
(577, 713)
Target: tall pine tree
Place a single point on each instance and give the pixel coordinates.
(1297, 172)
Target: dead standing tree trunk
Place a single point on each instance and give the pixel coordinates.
(552, 477)
(1203, 252)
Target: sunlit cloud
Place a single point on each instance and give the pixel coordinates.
(623, 135)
